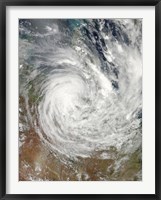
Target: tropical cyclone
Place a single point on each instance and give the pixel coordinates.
(86, 77)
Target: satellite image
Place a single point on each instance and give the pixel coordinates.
(80, 99)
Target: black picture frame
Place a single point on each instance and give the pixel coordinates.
(3, 120)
